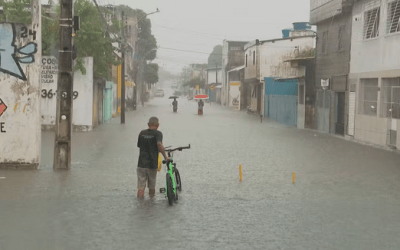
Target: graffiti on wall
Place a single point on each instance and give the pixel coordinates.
(10, 55)
(3, 108)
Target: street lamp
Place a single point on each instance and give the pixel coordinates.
(147, 14)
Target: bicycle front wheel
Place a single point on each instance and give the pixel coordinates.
(170, 190)
(178, 180)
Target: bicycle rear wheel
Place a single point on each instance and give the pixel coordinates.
(170, 190)
(178, 180)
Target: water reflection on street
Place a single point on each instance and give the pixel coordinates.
(343, 198)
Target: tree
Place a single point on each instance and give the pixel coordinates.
(16, 11)
(151, 73)
(215, 58)
(50, 32)
(91, 40)
(146, 40)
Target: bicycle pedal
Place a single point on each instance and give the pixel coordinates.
(162, 190)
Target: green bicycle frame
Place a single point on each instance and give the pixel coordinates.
(171, 173)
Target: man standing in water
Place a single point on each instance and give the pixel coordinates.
(150, 144)
(175, 105)
(201, 105)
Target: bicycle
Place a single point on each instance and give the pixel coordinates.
(172, 184)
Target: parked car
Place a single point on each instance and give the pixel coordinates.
(159, 93)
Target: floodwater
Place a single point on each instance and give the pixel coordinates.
(346, 195)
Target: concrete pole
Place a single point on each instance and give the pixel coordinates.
(63, 128)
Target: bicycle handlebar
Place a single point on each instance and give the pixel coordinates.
(175, 149)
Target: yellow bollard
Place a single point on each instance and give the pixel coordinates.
(293, 177)
(240, 172)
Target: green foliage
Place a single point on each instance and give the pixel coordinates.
(51, 33)
(151, 73)
(16, 11)
(91, 40)
(146, 40)
(215, 58)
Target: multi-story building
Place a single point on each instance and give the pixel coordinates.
(375, 72)
(232, 57)
(333, 20)
(266, 62)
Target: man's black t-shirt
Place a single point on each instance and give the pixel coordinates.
(147, 142)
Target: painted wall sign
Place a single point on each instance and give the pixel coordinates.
(2, 129)
(3, 107)
(9, 61)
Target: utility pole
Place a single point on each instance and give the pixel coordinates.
(123, 45)
(63, 129)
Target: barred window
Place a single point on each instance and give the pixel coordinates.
(371, 23)
(393, 19)
(368, 96)
(390, 98)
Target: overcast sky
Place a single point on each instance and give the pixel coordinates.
(200, 25)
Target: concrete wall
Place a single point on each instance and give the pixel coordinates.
(274, 54)
(252, 70)
(383, 51)
(324, 9)
(232, 57)
(211, 76)
(333, 63)
(107, 101)
(373, 58)
(20, 133)
(83, 94)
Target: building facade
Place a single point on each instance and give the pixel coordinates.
(333, 20)
(232, 57)
(375, 72)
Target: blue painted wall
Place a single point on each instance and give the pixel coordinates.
(287, 87)
(281, 100)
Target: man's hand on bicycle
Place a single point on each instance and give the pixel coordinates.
(167, 160)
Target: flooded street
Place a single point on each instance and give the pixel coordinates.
(343, 197)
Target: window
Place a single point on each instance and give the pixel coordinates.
(246, 60)
(254, 57)
(340, 37)
(393, 19)
(324, 41)
(371, 23)
(368, 94)
(390, 98)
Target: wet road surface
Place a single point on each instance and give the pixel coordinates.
(346, 195)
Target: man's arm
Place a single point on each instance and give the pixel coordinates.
(162, 150)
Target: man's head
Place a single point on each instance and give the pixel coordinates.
(153, 123)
